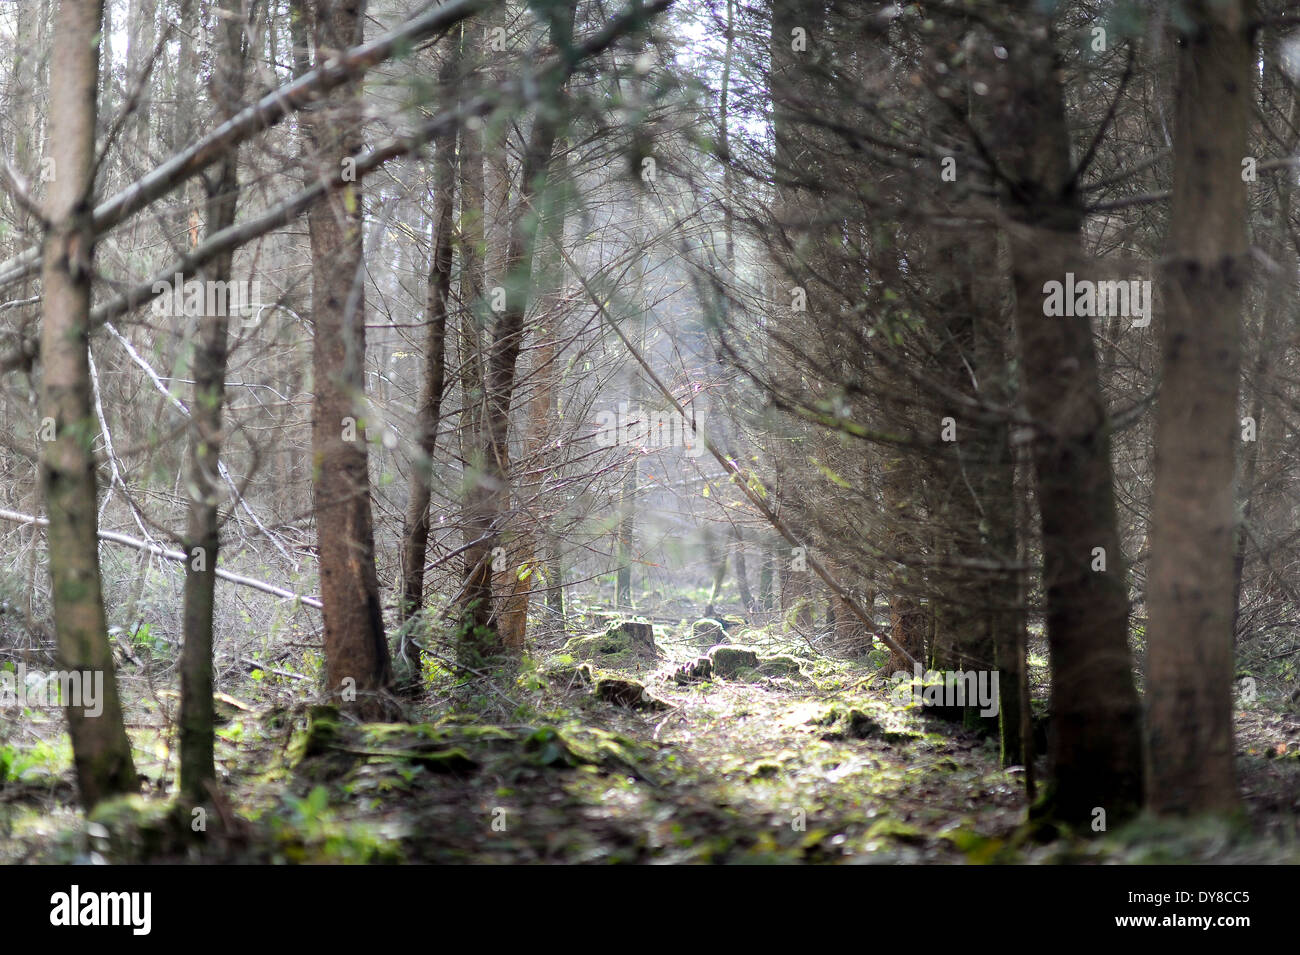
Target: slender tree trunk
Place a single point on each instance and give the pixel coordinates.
(1096, 745)
(542, 413)
(476, 599)
(100, 748)
(627, 507)
(1024, 520)
(719, 578)
(1278, 303)
(1002, 591)
(555, 578)
(793, 577)
(519, 578)
(429, 412)
(489, 498)
(742, 574)
(729, 231)
(796, 43)
(963, 632)
(905, 624)
(555, 600)
(197, 769)
(851, 635)
(767, 578)
(141, 26)
(1190, 588)
(357, 664)
(29, 112)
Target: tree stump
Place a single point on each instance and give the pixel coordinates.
(708, 632)
(641, 636)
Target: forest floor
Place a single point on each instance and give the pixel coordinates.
(819, 763)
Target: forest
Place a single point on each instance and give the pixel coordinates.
(650, 432)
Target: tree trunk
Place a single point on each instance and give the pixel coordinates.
(542, 413)
(794, 81)
(742, 573)
(100, 747)
(555, 579)
(1096, 747)
(197, 769)
(476, 600)
(960, 490)
(719, 578)
(489, 498)
(357, 664)
(905, 623)
(627, 509)
(1190, 589)
(1266, 452)
(429, 411)
(766, 578)
(519, 577)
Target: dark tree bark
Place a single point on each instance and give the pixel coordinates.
(1190, 589)
(1096, 746)
(971, 478)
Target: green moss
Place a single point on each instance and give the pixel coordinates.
(385, 734)
(978, 849)
(322, 732)
(708, 631)
(566, 676)
(309, 830)
(612, 647)
(728, 661)
(130, 811)
(747, 664)
(851, 723)
(780, 664)
(896, 830)
(134, 828)
(423, 736)
(577, 745)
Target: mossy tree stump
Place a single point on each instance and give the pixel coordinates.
(640, 636)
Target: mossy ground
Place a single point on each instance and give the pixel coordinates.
(807, 763)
